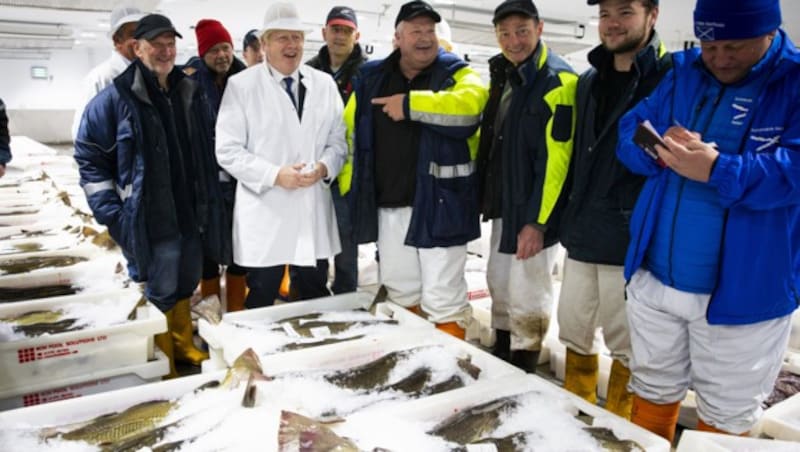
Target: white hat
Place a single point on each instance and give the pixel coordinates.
(282, 16)
(122, 15)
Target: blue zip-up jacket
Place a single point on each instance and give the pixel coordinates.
(757, 184)
(445, 208)
(113, 167)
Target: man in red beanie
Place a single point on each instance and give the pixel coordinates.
(211, 70)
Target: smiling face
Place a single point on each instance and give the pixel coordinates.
(417, 41)
(158, 54)
(625, 25)
(518, 36)
(340, 39)
(219, 58)
(283, 49)
(730, 61)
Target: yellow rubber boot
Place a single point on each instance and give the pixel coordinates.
(619, 401)
(659, 419)
(453, 329)
(580, 375)
(183, 334)
(703, 427)
(164, 342)
(209, 287)
(235, 292)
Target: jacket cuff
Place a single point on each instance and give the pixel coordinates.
(724, 172)
(407, 106)
(539, 227)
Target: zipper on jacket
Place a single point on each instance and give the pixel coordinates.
(697, 109)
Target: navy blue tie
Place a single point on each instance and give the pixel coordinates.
(288, 87)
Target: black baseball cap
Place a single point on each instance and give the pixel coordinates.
(152, 25)
(416, 8)
(594, 2)
(342, 15)
(509, 7)
(249, 38)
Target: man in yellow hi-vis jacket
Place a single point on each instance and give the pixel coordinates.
(414, 184)
(526, 144)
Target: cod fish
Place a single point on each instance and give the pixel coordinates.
(28, 264)
(331, 340)
(31, 293)
(305, 329)
(370, 375)
(24, 247)
(473, 424)
(299, 433)
(36, 323)
(112, 428)
(609, 441)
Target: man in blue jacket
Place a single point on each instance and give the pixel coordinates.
(410, 119)
(148, 171)
(713, 263)
(211, 70)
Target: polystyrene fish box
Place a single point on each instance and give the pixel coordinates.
(49, 357)
(100, 380)
(226, 337)
(440, 406)
(694, 441)
(782, 420)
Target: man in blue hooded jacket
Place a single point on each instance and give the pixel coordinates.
(713, 263)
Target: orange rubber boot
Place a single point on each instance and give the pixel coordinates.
(659, 419)
(452, 329)
(703, 427)
(235, 292)
(209, 287)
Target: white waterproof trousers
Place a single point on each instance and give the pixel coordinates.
(732, 368)
(430, 277)
(522, 293)
(592, 296)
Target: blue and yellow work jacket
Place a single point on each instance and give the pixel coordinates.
(445, 206)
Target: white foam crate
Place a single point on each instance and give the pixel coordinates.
(694, 441)
(226, 338)
(782, 420)
(440, 406)
(45, 358)
(98, 381)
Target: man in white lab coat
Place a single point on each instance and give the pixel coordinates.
(123, 23)
(284, 157)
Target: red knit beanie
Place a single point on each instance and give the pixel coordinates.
(209, 33)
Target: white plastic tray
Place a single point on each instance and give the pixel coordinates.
(101, 380)
(224, 339)
(694, 441)
(50, 357)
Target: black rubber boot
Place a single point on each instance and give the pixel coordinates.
(526, 360)
(502, 345)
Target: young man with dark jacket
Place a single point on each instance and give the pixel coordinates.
(342, 57)
(213, 67)
(525, 147)
(626, 67)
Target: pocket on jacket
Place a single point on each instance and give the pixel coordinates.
(453, 210)
(121, 233)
